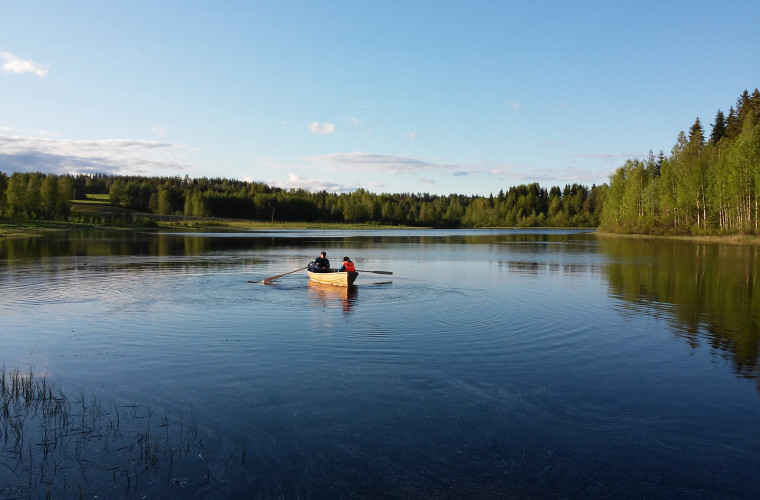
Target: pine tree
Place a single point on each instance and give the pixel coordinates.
(733, 127)
(719, 128)
(697, 134)
(743, 105)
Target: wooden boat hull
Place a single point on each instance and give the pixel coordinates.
(334, 278)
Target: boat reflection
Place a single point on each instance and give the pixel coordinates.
(332, 295)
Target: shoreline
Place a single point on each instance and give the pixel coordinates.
(24, 228)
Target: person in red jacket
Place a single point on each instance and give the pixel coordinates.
(347, 266)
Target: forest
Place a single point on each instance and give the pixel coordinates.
(37, 195)
(708, 185)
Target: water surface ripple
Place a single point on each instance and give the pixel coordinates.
(492, 363)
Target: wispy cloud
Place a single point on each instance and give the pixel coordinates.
(561, 175)
(321, 128)
(311, 184)
(412, 136)
(111, 156)
(400, 165)
(613, 156)
(374, 162)
(14, 64)
(158, 130)
(514, 105)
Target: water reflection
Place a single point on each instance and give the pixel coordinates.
(331, 296)
(112, 243)
(706, 292)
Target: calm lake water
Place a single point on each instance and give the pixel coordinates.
(492, 363)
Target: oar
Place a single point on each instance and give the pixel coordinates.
(272, 278)
(376, 272)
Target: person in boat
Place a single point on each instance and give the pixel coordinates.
(320, 264)
(347, 266)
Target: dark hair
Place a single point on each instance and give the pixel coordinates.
(323, 253)
(345, 259)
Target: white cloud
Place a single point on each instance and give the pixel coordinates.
(111, 156)
(321, 128)
(412, 136)
(353, 120)
(14, 64)
(514, 105)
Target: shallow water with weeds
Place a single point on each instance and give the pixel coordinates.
(491, 363)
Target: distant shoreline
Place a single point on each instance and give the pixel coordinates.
(25, 228)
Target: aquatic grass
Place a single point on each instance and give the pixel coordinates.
(55, 446)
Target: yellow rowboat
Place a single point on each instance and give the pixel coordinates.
(334, 278)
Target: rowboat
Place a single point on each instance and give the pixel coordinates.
(334, 278)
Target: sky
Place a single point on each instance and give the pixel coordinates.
(437, 97)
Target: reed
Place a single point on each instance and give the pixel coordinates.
(56, 447)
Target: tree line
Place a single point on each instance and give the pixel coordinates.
(708, 185)
(30, 195)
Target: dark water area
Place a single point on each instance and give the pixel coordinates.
(492, 363)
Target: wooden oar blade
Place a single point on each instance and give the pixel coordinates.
(376, 272)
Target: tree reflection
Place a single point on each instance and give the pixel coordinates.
(706, 292)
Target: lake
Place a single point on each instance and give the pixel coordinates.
(492, 363)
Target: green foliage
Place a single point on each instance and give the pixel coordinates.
(708, 187)
(37, 195)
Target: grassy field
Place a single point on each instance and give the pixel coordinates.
(93, 199)
(23, 228)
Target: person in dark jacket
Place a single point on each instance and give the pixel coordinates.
(321, 264)
(347, 266)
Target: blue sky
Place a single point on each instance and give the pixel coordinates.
(441, 97)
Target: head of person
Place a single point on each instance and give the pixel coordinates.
(323, 254)
(345, 259)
